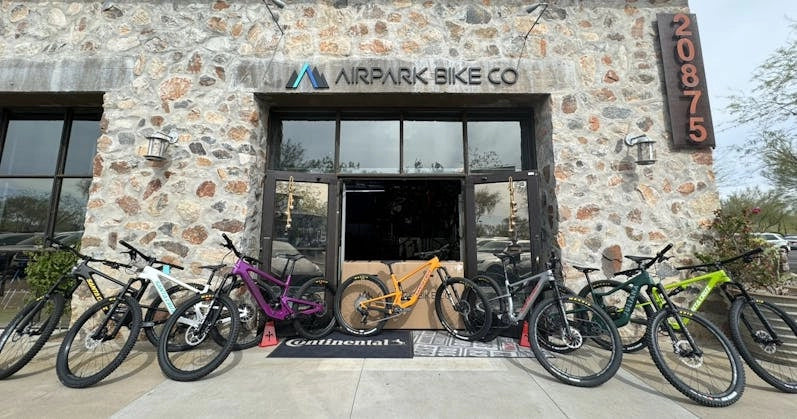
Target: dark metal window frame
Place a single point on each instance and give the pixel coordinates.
(68, 115)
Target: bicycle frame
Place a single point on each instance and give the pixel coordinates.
(398, 295)
(154, 276)
(244, 270)
(543, 278)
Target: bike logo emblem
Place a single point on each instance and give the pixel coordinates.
(316, 78)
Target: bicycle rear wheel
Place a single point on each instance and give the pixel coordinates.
(198, 337)
(567, 346)
(157, 313)
(316, 325)
(91, 351)
(714, 376)
(351, 316)
(27, 332)
(774, 360)
(632, 334)
(252, 318)
(463, 309)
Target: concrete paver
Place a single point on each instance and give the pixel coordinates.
(249, 384)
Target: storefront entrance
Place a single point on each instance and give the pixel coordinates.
(351, 188)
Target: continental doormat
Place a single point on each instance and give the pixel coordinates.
(387, 344)
(441, 343)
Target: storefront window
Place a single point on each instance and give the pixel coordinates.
(433, 147)
(300, 228)
(369, 146)
(306, 146)
(494, 145)
(493, 233)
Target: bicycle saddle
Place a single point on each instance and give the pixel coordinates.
(584, 269)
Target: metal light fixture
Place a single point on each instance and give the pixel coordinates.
(646, 154)
(530, 9)
(158, 143)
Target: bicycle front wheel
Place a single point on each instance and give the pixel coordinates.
(463, 309)
(27, 332)
(497, 303)
(319, 324)
(99, 341)
(198, 337)
(351, 315)
(774, 359)
(580, 347)
(711, 373)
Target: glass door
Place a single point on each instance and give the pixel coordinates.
(300, 216)
(500, 210)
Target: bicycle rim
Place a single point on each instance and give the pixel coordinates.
(187, 351)
(351, 316)
(774, 361)
(27, 332)
(713, 378)
(460, 307)
(90, 352)
(567, 347)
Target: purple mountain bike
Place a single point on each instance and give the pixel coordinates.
(262, 295)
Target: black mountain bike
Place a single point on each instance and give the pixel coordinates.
(30, 329)
(573, 340)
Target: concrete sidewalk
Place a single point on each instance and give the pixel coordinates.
(250, 385)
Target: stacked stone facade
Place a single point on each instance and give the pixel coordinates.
(193, 68)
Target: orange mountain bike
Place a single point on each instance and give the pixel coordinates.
(363, 304)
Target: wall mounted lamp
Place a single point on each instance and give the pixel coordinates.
(646, 154)
(158, 143)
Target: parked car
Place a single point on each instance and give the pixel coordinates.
(792, 241)
(304, 270)
(489, 264)
(774, 239)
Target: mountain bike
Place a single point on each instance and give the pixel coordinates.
(30, 329)
(260, 295)
(764, 334)
(699, 361)
(363, 304)
(573, 340)
(102, 337)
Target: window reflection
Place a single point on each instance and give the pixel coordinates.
(433, 147)
(72, 204)
(24, 204)
(369, 146)
(31, 147)
(494, 145)
(82, 147)
(307, 232)
(307, 146)
(492, 229)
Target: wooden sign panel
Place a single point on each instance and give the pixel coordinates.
(687, 94)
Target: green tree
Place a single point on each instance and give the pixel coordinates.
(771, 107)
(772, 212)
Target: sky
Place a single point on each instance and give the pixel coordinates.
(736, 37)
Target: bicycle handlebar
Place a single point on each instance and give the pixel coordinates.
(720, 263)
(433, 252)
(53, 242)
(150, 259)
(229, 245)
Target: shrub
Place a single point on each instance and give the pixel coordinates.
(45, 268)
(730, 234)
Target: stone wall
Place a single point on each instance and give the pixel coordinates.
(193, 67)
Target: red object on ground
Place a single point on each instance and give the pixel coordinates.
(524, 336)
(269, 335)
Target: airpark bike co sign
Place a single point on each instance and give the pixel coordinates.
(403, 76)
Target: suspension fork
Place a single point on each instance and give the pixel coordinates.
(670, 307)
(773, 335)
(112, 310)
